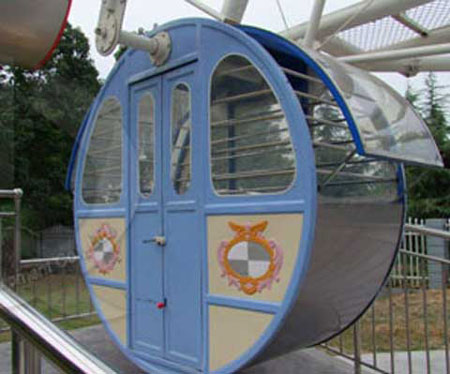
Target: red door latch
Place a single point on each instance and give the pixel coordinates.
(161, 305)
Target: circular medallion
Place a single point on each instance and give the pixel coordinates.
(249, 260)
(104, 250)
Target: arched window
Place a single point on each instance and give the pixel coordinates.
(102, 176)
(146, 136)
(251, 149)
(181, 138)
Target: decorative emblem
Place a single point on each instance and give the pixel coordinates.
(104, 251)
(249, 260)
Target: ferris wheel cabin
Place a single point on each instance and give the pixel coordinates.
(241, 200)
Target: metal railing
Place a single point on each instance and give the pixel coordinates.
(56, 288)
(415, 243)
(34, 337)
(58, 347)
(406, 330)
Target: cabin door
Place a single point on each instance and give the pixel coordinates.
(165, 239)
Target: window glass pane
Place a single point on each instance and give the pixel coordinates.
(102, 178)
(146, 126)
(181, 138)
(251, 150)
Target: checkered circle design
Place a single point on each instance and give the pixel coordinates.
(104, 252)
(249, 259)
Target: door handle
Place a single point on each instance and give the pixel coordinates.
(159, 240)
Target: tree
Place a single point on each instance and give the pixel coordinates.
(46, 110)
(429, 189)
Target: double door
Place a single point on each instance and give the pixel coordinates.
(164, 220)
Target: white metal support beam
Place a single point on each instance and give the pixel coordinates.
(314, 23)
(410, 67)
(411, 24)
(206, 9)
(438, 49)
(338, 47)
(436, 36)
(437, 63)
(233, 10)
(358, 14)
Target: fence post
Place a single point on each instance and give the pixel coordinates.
(1, 250)
(357, 347)
(17, 236)
(25, 358)
(17, 344)
(32, 359)
(435, 247)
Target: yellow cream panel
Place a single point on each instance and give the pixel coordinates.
(113, 303)
(282, 229)
(232, 332)
(90, 229)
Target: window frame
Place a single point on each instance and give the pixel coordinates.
(87, 148)
(295, 176)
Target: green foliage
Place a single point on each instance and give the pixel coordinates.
(42, 112)
(429, 189)
(120, 51)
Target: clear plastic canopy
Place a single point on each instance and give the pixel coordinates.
(383, 123)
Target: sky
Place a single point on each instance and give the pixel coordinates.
(262, 13)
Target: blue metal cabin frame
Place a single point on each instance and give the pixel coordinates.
(206, 43)
(212, 41)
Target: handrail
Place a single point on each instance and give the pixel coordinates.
(48, 260)
(11, 193)
(440, 260)
(57, 346)
(428, 231)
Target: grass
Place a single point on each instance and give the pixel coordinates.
(381, 326)
(57, 296)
